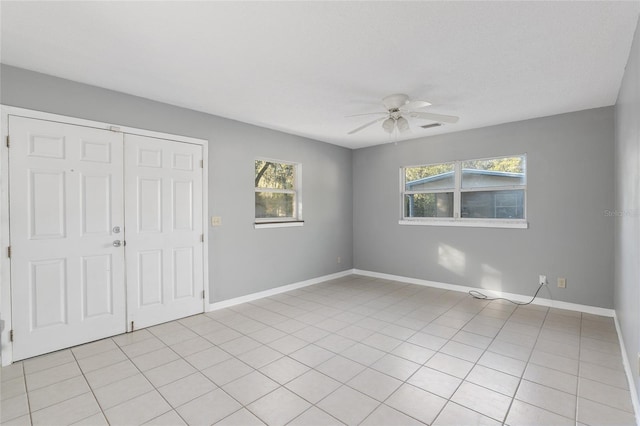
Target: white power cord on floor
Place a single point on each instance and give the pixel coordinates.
(477, 295)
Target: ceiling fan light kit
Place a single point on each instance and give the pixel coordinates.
(388, 125)
(403, 124)
(399, 107)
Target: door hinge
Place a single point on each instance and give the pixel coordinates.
(131, 325)
(11, 335)
(201, 163)
(9, 252)
(202, 238)
(8, 141)
(203, 294)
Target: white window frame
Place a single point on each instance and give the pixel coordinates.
(456, 220)
(283, 222)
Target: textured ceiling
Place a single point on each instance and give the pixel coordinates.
(301, 67)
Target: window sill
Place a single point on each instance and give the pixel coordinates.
(281, 224)
(469, 223)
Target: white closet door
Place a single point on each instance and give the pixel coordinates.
(164, 251)
(67, 278)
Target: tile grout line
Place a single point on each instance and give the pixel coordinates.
(320, 372)
(119, 347)
(26, 389)
(476, 363)
(391, 314)
(237, 358)
(153, 385)
(366, 366)
(423, 365)
(90, 388)
(461, 300)
(526, 365)
(74, 361)
(157, 336)
(283, 385)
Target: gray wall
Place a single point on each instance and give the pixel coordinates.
(570, 185)
(351, 199)
(242, 260)
(627, 230)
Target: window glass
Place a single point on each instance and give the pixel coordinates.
(505, 171)
(274, 205)
(493, 204)
(277, 191)
(431, 177)
(438, 204)
(274, 175)
(490, 188)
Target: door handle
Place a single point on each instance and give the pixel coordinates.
(117, 243)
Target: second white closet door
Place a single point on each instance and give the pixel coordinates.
(163, 219)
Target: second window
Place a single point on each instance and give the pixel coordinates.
(492, 188)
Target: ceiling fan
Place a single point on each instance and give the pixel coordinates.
(399, 107)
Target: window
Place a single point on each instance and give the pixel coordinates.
(484, 192)
(428, 190)
(277, 192)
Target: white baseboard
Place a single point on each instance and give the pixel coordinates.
(517, 297)
(538, 301)
(628, 371)
(273, 291)
(454, 287)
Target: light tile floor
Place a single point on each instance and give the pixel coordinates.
(350, 351)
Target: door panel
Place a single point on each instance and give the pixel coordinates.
(182, 205)
(97, 285)
(48, 295)
(149, 279)
(96, 205)
(67, 278)
(149, 205)
(46, 202)
(183, 273)
(164, 253)
(46, 145)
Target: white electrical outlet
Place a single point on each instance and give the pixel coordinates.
(542, 280)
(216, 221)
(339, 259)
(562, 283)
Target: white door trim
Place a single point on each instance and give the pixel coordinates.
(6, 347)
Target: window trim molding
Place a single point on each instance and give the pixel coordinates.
(457, 190)
(469, 223)
(278, 224)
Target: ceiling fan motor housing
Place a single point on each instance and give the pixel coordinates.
(395, 101)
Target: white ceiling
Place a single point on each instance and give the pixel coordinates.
(301, 67)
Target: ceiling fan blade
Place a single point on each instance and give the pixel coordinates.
(364, 126)
(366, 113)
(434, 117)
(414, 105)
